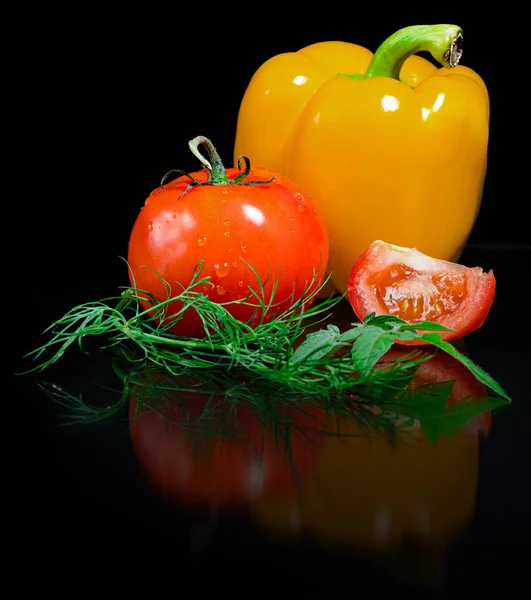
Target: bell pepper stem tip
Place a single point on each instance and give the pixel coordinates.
(444, 42)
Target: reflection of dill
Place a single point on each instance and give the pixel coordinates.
(203, 406)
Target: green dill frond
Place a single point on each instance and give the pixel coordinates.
(288, 356)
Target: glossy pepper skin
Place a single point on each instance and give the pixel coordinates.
(389, 145)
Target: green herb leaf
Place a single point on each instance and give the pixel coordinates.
(316, 345)
(425, 326)
(392, 322)
(369, 348)
(477, 371)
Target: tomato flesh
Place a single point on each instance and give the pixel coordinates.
(389, 279)
(416, 297)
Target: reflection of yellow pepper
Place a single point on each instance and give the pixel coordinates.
(382, 498)
(368, 494)
(389, 146)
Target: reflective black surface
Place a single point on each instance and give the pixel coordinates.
(350, 513)
(108, 110)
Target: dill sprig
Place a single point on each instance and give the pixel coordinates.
(289, 353)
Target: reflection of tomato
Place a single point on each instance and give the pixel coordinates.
(208, 469)
(388, 279)
(273, 227)
(442, 367)
(379, 497)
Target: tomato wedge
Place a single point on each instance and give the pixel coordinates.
(389, 279)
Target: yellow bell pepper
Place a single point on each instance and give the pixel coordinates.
(389, 145)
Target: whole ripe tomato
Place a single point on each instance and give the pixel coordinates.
(248, 227)
(389, 279)
(208, 469)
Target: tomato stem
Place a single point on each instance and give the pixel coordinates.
(217, 175)
(443, 42)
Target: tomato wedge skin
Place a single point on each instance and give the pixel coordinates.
(390, 279)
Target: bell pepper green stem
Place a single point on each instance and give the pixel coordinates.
(443, 42)
(217, 173)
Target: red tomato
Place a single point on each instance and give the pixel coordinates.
(273, 226)
(389, 279)
(213, 469)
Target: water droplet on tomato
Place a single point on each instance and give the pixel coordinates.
(229, 250)
(241, 284)
(220, 290)
(244, 249)
(226, 223)
(234, 263)
(300, 207)
(226, 233)
(298, 196)
(221, 270)
(201, 241)
(150, 226)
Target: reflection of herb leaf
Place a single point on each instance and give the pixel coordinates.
(425, 401)
(428, 405)
(458, 415)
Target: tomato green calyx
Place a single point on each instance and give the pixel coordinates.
(443, 42)
(217, 174)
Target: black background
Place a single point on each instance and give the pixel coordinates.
(111, 99)
(104, 102)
